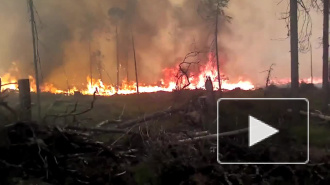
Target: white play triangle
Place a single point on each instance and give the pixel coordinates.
(259, 131)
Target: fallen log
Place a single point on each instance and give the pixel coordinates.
(103, 130)
(202, 133)
(107, 122)
(215, 136)
(149, 117)
(314, 114)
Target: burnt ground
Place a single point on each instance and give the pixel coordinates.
(54, 152)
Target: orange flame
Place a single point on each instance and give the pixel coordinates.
(168, 83)
(8, 82)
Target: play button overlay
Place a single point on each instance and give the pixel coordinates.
(262, 131)
(259, 131)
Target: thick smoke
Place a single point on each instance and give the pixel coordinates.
(258, 38)
(73, 33)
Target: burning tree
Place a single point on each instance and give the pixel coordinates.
(212, 10)
(97, 59)
(183, 77)
(117, 14)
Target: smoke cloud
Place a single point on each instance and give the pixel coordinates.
(73, 33)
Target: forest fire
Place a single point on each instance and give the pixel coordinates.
(168, 84)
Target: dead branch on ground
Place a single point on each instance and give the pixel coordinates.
(123, 135)
(115, 121)
(215, 136)
(102, 130)
(316, 114)
(74, 112)
(149, 117)
(107, 122)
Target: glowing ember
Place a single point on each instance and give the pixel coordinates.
(197, 79)
(287, 81)
(8, 82)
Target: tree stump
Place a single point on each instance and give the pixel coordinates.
(24, 99)
(210, 95)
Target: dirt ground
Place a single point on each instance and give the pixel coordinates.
(157, 158)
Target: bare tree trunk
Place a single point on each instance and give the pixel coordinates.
(326, 52)
(117, 58)
(127, 67)
(311, 63)
(216, 50)
(215, 136)
(136, 72)
(35, 58)
(294, 48)
(90, 62)
(294, 58)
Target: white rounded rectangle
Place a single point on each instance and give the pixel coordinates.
(260, 131)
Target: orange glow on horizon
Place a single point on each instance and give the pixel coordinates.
(168, 83)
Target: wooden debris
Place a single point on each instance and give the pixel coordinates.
(59, 156)
(316, 114)
(107, 122)
(201, 133)
(149, 117)
(74, 112)
(215, 136)
(24, 99)
(210, 100)
(103, 130)
(56, 156)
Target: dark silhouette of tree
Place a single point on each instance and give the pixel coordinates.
(116, 14)
(317, 4)
(294, 47)
(326, 52)
(213, 10)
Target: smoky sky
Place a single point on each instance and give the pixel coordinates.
(74, 33)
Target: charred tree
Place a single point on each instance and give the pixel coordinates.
(183, 77)
(213, 10)
(117, 14)
(326, 52)
(90, 63)
(311, 52)
(216, 48)
(210, 97)
(34, 42)
(294, 47)
(97, 58)
(136, 72)
(269, 71)
(24, 99)
(117, 50)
